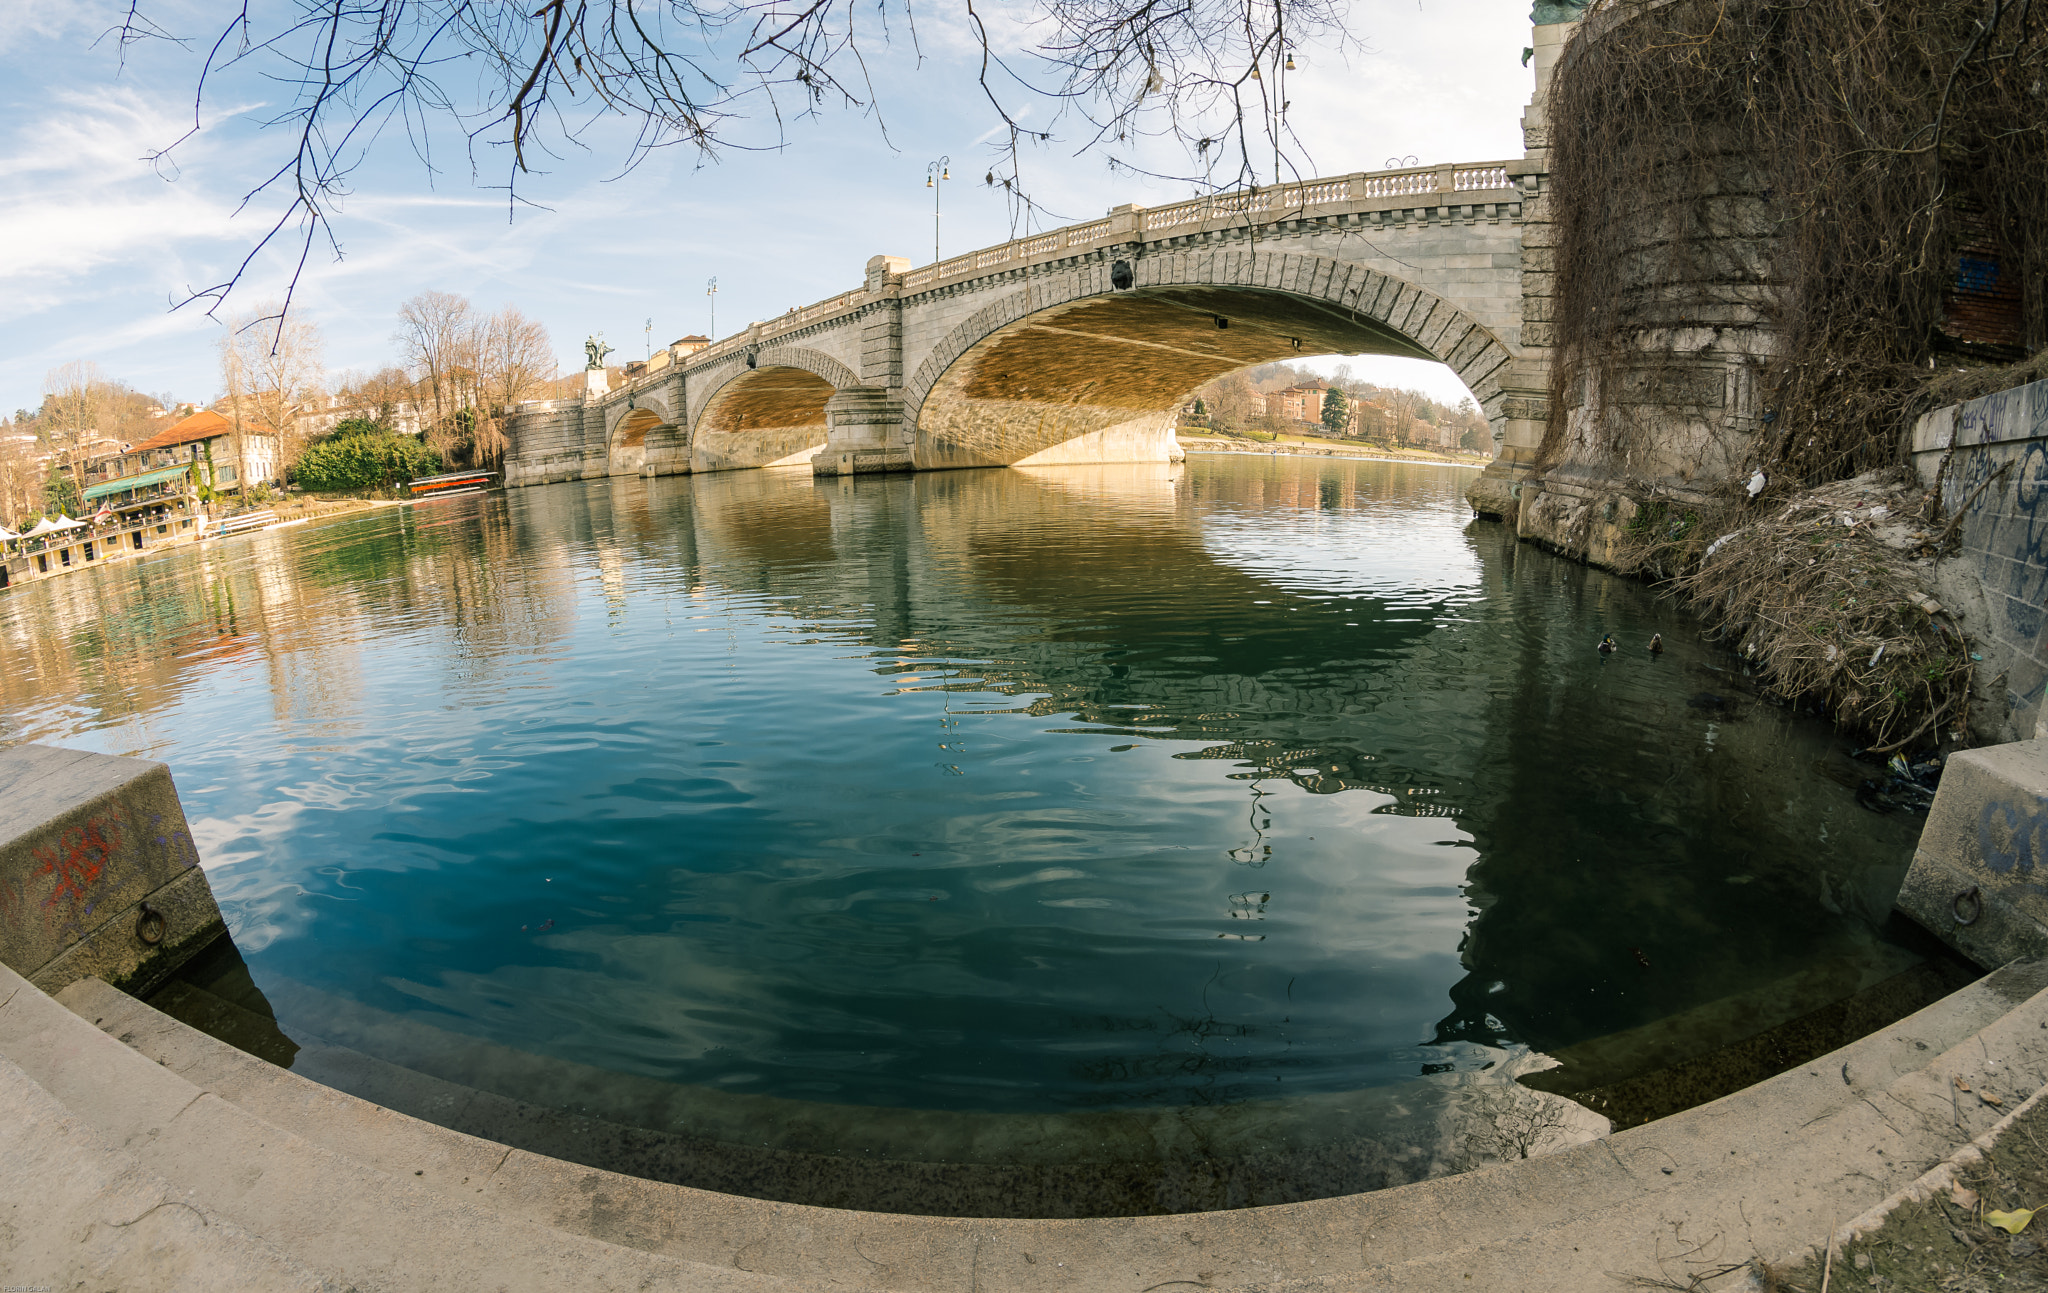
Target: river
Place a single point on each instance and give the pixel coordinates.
(1100, 825)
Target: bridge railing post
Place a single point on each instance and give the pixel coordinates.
(1447, 178)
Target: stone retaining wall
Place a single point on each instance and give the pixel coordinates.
(1989, 459)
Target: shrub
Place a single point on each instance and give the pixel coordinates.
(356, 426)
(363, 460)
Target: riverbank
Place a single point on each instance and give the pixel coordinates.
(313, 507)
(1326, 449)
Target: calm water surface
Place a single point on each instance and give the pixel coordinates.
(998, 793)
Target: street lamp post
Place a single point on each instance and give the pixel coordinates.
(711, 292)
(938, 170)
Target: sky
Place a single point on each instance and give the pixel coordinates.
(102, 235)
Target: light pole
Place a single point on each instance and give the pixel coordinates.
(938, 170)
(711, 292)
(650, 341)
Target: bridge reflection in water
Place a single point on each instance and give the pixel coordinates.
(1085, 840)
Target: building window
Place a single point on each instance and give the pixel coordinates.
(42, 563)
(64, 555)
(88, 549)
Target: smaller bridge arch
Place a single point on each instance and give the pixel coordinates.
(764, 408)
(638, 433)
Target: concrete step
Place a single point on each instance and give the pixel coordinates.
(921, 1161)
(76, 1211)
(1760, 1172)
(364, 1227)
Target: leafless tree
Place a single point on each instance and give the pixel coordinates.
(514, 361)
(437, 341)
(274, 371)
(386, 396)
(75, 403)
(21, 474)
(234, 346)
(1208, 75)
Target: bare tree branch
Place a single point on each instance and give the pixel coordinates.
(1205, 77)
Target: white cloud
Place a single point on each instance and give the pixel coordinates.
(76, 194)
(26, 23)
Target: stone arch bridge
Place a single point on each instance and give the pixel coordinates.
(1080, 345)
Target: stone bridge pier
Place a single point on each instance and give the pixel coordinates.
(1080, 345)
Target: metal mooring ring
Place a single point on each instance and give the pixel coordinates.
(150, 926)
(1976, 901)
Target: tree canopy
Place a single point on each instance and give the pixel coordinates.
(1336, 410)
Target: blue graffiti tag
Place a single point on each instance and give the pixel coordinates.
(2010, 838)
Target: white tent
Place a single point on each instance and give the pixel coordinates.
(47, 526)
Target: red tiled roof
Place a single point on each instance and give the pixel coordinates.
(203, 425)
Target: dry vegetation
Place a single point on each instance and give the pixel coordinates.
(1828, 593)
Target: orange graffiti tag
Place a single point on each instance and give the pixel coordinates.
(80, 859)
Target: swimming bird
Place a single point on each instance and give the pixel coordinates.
(1656, 644)
(1608, 645)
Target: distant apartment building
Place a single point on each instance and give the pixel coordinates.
(1299, 403)
(1370, 421)
(320, 416)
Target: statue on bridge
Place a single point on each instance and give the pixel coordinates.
(595, 350)
(1550, 11)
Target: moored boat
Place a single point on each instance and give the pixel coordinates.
(454, 482)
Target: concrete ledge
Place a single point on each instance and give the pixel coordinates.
(85, 840)
(1979, 879)
(80, 1214)
(117, 953)
(1768, 1170)
(365, 1227)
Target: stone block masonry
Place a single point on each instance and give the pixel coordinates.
(98, 873)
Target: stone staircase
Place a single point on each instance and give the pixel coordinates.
(140, 1153)
(285, 1185)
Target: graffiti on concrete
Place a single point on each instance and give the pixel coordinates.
(2011, 839)
(97, 860)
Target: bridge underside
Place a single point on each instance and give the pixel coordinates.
(772, 417)
(1100, 380)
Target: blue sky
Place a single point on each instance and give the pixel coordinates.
(97, 244)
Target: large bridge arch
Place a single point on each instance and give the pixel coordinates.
(1074, 368)
(765, 408)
